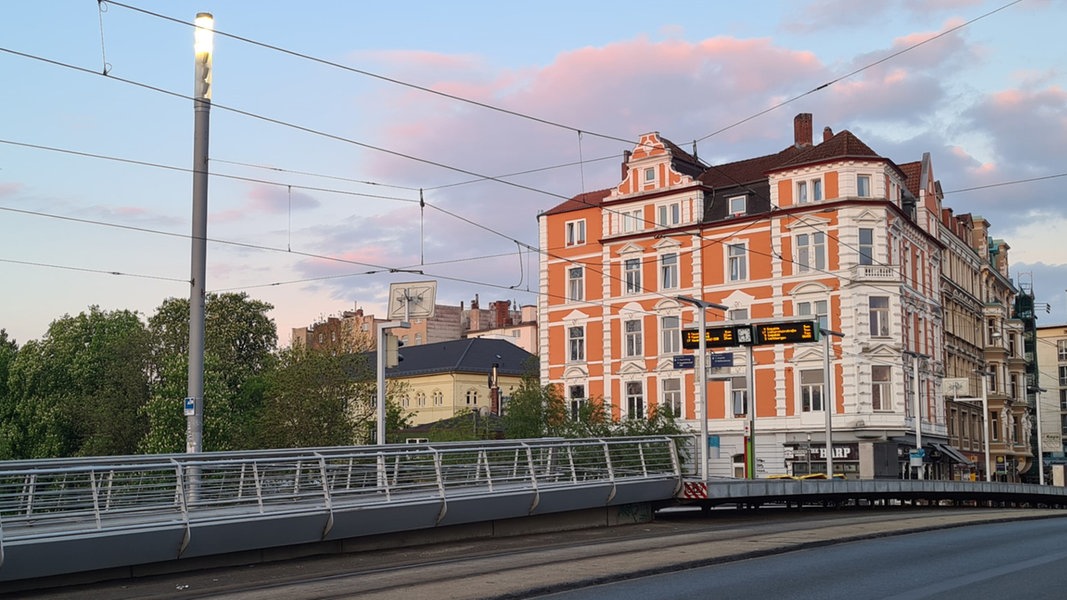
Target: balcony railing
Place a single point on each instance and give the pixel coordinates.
(875, 273)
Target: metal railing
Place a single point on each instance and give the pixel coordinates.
(56, 498)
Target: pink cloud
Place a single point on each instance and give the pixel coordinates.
(268, 200)
(10, 188)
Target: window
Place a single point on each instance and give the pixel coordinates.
(668, 270)
(811, 251)
(994, 426)
(737, 314)
(439, 398)
(672, 396)
(811, 390)
(632, 275)
(576, 343)
(670, 332)
(738, 205)
(577, 400)
(815, 185)
(805, 309)
(669, 214)
(575, 284)
(1013, 386)
(650, 174)
(1061, 350)
(576, 232)
(863, 186)
(879, 315)
(631, 220)
(405, 401)
(635, 400)
(866, 246)
(736, 260)
(420, 398)
(880, 397)
(1063, 375)
(633, 337)
(739, 395)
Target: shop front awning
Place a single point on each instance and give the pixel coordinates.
(953, 453)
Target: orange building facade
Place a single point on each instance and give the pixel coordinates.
(829, 232)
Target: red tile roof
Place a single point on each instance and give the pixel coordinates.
(586, 200)
(913, 171)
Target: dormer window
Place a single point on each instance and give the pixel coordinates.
(738, 205)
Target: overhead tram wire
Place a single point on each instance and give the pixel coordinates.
(281, 123)
(457, 98)
(857, 71)
(94, 271)
(365, 73)
(213, 174)
(483, 177)
(544, 121)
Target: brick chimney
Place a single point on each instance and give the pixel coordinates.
(626, 166)
(802, 130)
(827, 133)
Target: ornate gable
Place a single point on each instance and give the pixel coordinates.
(654, 165)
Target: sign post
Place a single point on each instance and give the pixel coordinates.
(702, 374)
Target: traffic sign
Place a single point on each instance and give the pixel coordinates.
(684, 361)
(722, 359)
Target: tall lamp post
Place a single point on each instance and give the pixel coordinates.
(985, 417)
(194, 401)
(1039, 454)
(917, 409)
(829, 408)
(702, 375)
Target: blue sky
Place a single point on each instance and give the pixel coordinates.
(319, 149)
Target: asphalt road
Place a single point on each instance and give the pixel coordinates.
(979, 562)
(635, 560)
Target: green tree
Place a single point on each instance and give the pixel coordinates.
(80, 389)
(239, 344)
(324, 397)
(534, 410)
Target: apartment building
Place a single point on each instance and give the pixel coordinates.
(1052, 356)
(359, 328)
(828, 231)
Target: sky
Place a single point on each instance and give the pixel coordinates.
(331, 120)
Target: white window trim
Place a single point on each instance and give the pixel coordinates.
(575, 232)
(744, 205)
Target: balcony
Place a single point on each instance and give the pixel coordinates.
(875, 273)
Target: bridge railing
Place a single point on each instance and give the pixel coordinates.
(43, 499)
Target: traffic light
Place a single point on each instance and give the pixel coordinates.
(392, 350)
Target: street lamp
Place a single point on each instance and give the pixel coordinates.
(829, 404)
(985, 417)
(918, 408)
(1040, 454)
(702, 375)
(194, 401)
